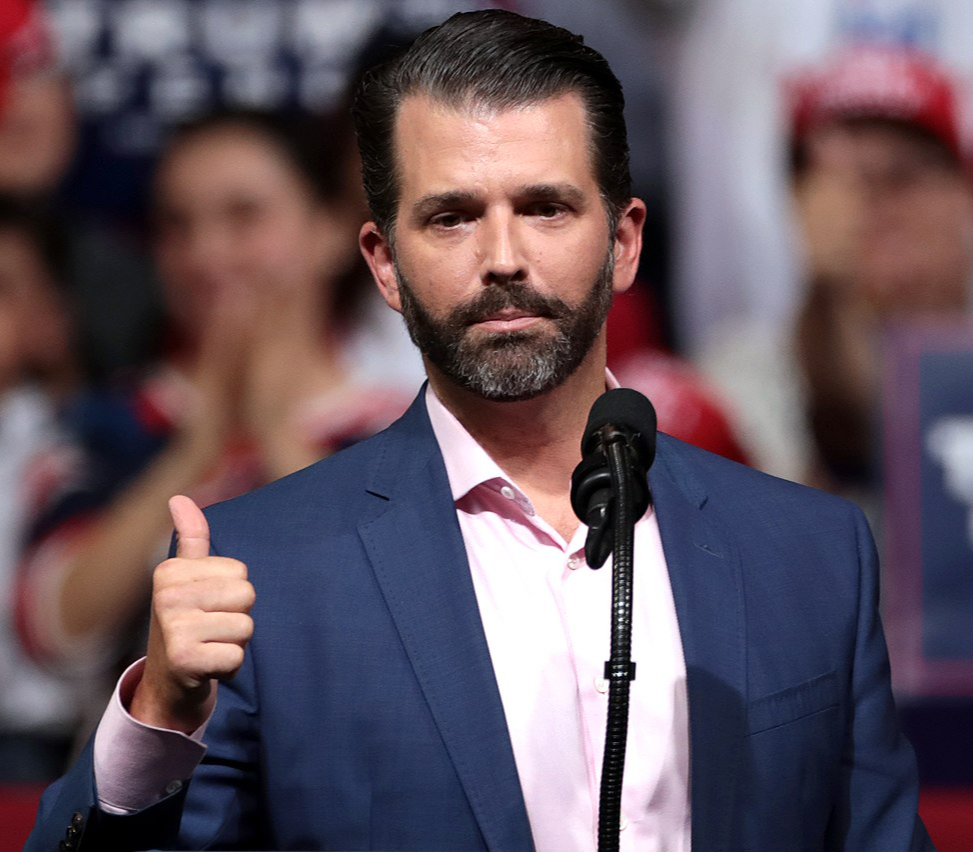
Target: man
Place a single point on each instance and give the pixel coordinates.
(421, 668)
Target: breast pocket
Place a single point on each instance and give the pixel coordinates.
(794, 703)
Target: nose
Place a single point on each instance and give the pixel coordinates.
(204, 244)
(502, 250)
(203, 251)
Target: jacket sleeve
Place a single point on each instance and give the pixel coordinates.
(69, 814)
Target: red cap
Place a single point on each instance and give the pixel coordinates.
(25, 41)
(878, 82)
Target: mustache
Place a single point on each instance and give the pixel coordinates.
(498, 298)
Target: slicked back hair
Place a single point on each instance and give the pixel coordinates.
(498, 60)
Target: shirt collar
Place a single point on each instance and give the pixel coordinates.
(468, 465)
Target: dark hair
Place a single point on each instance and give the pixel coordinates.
(500, 60)
(43, 229)
(316, 146)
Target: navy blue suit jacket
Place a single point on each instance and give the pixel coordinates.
(367, 716)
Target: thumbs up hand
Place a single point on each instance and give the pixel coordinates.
(199, 629)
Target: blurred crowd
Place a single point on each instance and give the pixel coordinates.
(184, 309)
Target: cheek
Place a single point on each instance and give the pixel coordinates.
(571, 276)
(285, 250)
(438, 280)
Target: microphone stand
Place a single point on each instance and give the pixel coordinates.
(609, 496)
(619, 669)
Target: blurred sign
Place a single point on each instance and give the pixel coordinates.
(138, 67)
(929, 509)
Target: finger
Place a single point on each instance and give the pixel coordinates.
(220, 660)
(214, 593)
(186, 638)
(235, 628)
(177, 572)
(192, 531)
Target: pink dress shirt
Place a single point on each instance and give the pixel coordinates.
(546, 616)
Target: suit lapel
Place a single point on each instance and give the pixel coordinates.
(419, 560)
(707, 587)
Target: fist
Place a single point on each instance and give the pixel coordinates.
(199, 629)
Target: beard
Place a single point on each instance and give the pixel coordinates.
(516, 365)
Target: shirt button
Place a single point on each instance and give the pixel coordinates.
(601, 684)
(623, 823)
(173, 787)
(508, 492)
(574, 563)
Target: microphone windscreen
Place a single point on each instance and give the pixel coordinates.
(628, 411)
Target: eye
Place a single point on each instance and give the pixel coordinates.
(448, 220)
(547, 210)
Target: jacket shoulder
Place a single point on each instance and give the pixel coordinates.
(707, 478)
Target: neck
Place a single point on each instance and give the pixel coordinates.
(536, 441)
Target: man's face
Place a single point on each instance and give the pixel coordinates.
(503, 264)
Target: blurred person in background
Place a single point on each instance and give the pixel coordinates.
(39, 709)
(277, 353)
(884, 201)
(884, 212)
(113, 287)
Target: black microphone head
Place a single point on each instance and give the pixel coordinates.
(630, 411)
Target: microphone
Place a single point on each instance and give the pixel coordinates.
(619, 416)
(610, 492)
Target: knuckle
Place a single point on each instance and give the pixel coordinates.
(235, 656)
(180, 657)
(246, 628)
(167, 597)
(163, 572)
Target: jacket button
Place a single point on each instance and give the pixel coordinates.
(77, 819)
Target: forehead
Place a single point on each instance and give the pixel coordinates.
(441, 147)
(879, 140)
(225, 157)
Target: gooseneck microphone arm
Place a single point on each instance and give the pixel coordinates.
(609, 492)
(619, 669)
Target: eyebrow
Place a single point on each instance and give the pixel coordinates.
(566, 192)
(438, 201)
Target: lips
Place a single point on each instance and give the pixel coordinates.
(508, 321)
(505, 309)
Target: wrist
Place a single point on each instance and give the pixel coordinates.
(173, 709)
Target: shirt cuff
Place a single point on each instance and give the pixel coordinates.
(137, 765)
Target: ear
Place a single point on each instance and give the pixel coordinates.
(378, 255)
(628, 244)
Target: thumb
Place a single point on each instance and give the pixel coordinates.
(192, 531)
